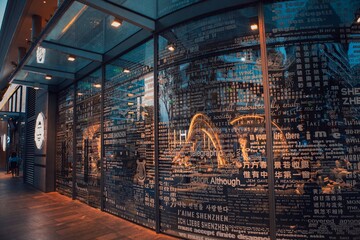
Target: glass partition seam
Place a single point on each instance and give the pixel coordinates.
(268, 126)
(74, 145)
(102, 177)
(156, 132)
(108, 61)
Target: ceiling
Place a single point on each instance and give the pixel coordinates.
(19, 13)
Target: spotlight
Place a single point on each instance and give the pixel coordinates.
(71, 58)
(171, 47)
(36, 88)
(126, 70)
(97, 85)
(254, 26)
(48, 77)
(116, 23)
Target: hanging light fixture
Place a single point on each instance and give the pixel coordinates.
(116, 23)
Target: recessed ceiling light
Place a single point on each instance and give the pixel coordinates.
(254, 26)
(126, 70)
(116, 23)
(71, 58)
(97, 85)
(171, 47)
(358, 20)
(48, 77)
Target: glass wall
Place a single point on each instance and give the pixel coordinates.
(213, 168)
(64, 142)
(129, 136)
(314, 77)
(88, 139)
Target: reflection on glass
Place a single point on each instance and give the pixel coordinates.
(129, 137)
(88, 140)
(89, 29)
(64, 142)
(313, 70)
(213, 168)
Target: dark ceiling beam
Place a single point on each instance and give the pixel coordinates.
(29, 84)
(53, 73)
(73, 51)
(127, 45)
(122, 13)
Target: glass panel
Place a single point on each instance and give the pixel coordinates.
(168, 6)
(55, 60)
(146, 8)
(213, 167)
(88, 139)
(314, 74)
(129, 137)
(86, 28)
(199, 38)
(64, 142)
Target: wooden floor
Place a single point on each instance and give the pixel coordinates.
(26, 213)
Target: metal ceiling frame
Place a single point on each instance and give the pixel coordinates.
(53, 73)
(71, 50)
(31, 84)
(121, 13)
(148, 25)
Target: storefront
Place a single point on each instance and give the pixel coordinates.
(202, 121)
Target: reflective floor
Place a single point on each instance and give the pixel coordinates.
(26, 213)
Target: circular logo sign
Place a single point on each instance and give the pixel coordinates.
(39, 131)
